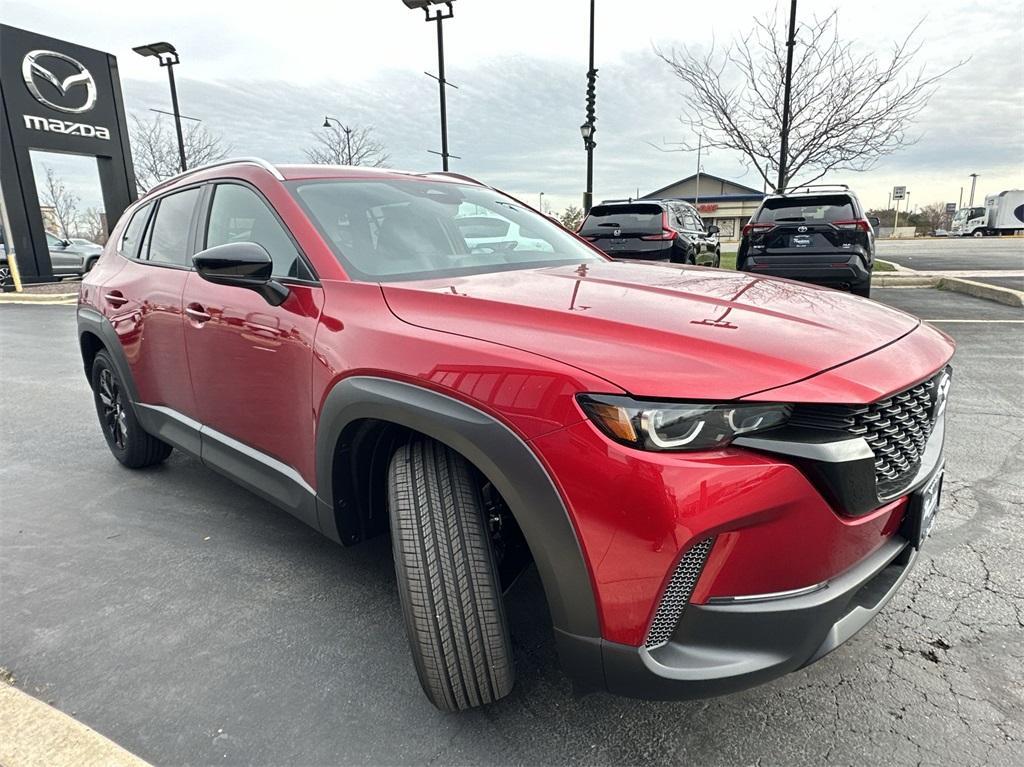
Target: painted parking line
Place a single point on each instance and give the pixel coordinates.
(983, 322)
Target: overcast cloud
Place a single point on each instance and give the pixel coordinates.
(265, 78)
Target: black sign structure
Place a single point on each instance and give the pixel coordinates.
(57, 97)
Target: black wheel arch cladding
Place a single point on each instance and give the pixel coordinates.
(497, 452)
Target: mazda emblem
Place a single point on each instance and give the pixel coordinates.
(34, 73)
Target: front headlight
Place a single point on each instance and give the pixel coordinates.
(679, 425)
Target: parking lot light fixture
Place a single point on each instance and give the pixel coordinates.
(442, 9)
(348, 136)
(168, 57)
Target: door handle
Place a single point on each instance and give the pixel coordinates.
(115, 298)
(197, 313)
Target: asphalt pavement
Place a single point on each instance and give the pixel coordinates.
(193, 623)
(943, 254)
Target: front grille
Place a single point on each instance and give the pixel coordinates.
(896, 428)
(677, 593)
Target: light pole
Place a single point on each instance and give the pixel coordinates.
(974, 179)
(348, 136)
(587, 129)
(166, 54)
(540, 202)
(784, 152)
(438, 16)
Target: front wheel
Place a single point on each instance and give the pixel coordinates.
(978, 233)
(447, 579)
(127, 440)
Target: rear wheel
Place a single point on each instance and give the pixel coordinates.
(5, 276)
(447, 579)
(127, 440)
(862, 290)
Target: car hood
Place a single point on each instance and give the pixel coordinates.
(658, 331)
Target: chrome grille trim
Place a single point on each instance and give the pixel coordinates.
(677, 593)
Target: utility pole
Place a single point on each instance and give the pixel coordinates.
(784, 153)
(960, 203)
(540, 202)
(438, 17)
(700, 146)
(974, 179)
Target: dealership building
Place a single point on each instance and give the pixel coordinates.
(721, 202)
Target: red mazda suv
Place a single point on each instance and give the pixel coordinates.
(720, 477)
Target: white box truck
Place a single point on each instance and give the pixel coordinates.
(1003, 214)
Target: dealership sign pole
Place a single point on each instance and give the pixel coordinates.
(56, 97)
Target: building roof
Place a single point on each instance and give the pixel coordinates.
(740, 188)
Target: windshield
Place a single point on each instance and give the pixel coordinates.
(807, 209)
(383, 230)
(629, 219)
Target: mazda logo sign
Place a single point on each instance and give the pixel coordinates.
(70, 87)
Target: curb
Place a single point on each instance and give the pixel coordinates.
(33, 734)
(896, 280)
(38, 298)
(1007, 296)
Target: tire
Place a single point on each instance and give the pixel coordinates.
(127, 440)
(978, 233)
(718, 259)
(89, 265)
(5, 276)
(447, 579)
(863, 291)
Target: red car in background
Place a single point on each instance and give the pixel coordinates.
(720, 477)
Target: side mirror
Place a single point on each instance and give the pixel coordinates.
(713, 229)
(875, 222)
(65, 243)
(241, 265)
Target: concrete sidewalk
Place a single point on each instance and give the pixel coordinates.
(980, 283)
(33, 734)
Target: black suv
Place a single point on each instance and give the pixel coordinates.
(813, 234)
(652, 230)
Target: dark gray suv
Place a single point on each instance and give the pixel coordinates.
(816, 234)
(653, 230)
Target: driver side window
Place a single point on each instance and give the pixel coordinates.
(238, 214)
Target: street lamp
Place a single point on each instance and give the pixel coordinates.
(587, 129)
(348, 135)
(166, 54)
(438, 15)
(974, 180)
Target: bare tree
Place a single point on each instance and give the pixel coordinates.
(155, 148)
(933, 216)
(850, 106)
(333, 147)
(571, 217)
(92, 226)
(61, 200)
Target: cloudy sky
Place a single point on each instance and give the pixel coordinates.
(264, 74)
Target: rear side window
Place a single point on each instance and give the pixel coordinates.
(823, 208)
(133, 232)
(168, 236)
(238, 214)
(631, 219)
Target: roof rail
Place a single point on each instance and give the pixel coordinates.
(798, 187)
(257, 161)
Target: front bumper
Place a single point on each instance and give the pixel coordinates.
(718, 648)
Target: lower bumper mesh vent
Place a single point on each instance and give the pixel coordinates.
(677, 593)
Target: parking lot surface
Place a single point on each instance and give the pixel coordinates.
(955, 253)
(195, 624)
